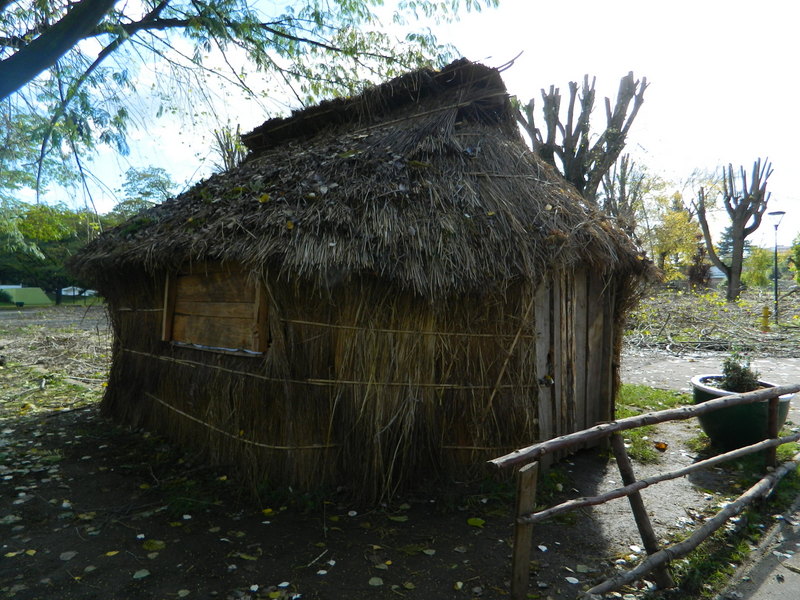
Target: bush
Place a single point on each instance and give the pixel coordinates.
(737, 375)
(794, 259)
(5, 297)
(757, 268)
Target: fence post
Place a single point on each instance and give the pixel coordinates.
(523, 532)
(771, 455)
(649, 540)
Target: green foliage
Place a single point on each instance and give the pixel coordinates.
(153, 184)
(737, 374)
(142, 189)
(20, 149)
(188, 50)
(757, 267)
(43, 223)
(11, 238)
(794, 258)
(47, 236)
(5, 297)
(676, 240)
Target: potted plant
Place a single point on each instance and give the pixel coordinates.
(736, 426)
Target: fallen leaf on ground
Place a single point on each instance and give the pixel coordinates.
(398, 518)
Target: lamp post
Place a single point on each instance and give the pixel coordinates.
(777, 217)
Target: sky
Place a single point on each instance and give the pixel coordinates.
(722, 78)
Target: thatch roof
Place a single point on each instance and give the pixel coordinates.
(423, 181)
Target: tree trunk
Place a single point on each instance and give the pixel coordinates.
(735, 272)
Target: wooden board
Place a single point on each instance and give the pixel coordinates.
(261, 337)
(568, 352)
(213, 332)
(580, 327)
(557, 336)
(222, 310)
(217, 308)
(596, 352)
(169, 308)
(543, 365)
(215, 287)
(607, 401)
(523, 532)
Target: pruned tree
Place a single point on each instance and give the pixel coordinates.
(745, 204)
(725, 245)
(569, 146)
(624, 186)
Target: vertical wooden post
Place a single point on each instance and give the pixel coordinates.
(544, 372)
(170, 283)
(583, 395)
(771, 455)
(660, 574)
(260, 324)
(523, 532)
(557, 329)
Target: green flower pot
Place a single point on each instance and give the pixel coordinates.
(735, 426)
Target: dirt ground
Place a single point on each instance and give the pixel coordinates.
(89, 510)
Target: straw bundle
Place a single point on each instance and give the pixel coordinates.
(421, 271)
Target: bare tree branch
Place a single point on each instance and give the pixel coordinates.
(700, 211)
(745, 205)
(583, 163)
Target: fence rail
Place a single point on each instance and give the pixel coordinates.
(658, 558)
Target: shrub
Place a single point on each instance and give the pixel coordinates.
(737, 374)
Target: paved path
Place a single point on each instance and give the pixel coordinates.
(773, 570)
(674, 372)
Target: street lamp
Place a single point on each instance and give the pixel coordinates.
(776, 217)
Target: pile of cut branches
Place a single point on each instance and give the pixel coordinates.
(685, 322)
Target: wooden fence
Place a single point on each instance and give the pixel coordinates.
(658, 558)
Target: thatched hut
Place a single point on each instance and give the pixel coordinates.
(390, 288)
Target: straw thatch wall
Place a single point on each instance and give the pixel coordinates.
(373, 391)
(434, 294)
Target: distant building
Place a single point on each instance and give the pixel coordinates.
(715, 276)
(76, 291)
